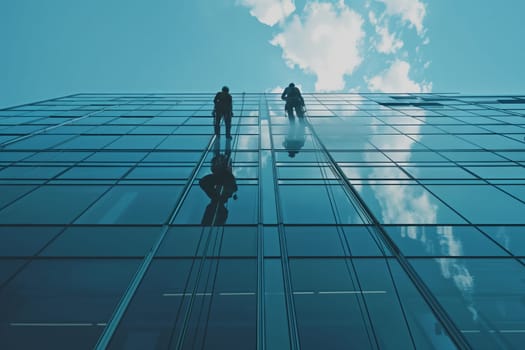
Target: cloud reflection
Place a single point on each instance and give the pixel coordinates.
(405, 204)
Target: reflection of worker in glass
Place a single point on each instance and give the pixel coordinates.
(294, 100)
(294, 141)
(220, 185)
(223, 109)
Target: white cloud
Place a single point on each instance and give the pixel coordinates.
(389, 43)
(269, 12)
(325, 41)
(411, 11)
(396, 79)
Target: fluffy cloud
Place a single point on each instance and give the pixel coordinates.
(396, 79)
(389, 43)
(324, 41)
(269, 12)
(411, 11)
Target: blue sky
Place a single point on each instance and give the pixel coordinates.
(59, 47)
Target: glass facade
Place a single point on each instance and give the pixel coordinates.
(381, 221)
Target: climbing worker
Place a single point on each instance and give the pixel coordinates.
(223, 109)
(294, 100)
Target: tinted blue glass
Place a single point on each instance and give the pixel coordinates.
(198, 205)
(136, 142)
(406, 204)
(470, 290)
(25, 241)
(116, 157)
(12, 192)
(493, 141)
(314, 241)
(443, 241)
(71, 297)
(364, 241)
(368, 156)
(110, 129)
(89, 173)
(481, 204)
(184, 142)
(39, 142)
(160, 173)
(58, 156)
(511, 238)
(374, 173)
(151, 130)
(103, 241)
(425, 328)
(226, 295)
(312, 172)
(87, 142)
(159, 301)
(328, 319)
(438, 172)
(472, 156)
(446, 142)
(275, 312)
(231, 320)
(499, 172)
(184, 241)
(298, 210)
(51, 205)
(8, 268)
(517, 190)
(415, 156)
(129, 204)
(10, 156)
(271, 244)
(173, 157)
(28, 172)
(239, 241)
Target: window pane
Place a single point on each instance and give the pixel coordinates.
(128, 204)
(511, 238)
(61, 304)
(199, 209)
(226, 295)
(25, 241)
(406, 204)
(485, 304)
(51, 205)
(443, 241)
(482, 204)
(103, 241)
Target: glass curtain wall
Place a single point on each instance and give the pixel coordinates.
(379, 221)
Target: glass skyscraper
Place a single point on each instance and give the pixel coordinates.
(381, 221)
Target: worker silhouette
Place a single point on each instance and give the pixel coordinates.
(295, 138)
(223, 110)
(294, 100)
(219, 186)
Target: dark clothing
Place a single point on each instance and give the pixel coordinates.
(292, 96)
(223, 102)
(227, 116)
(219, 186)
(223, 109)
(294, 100)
